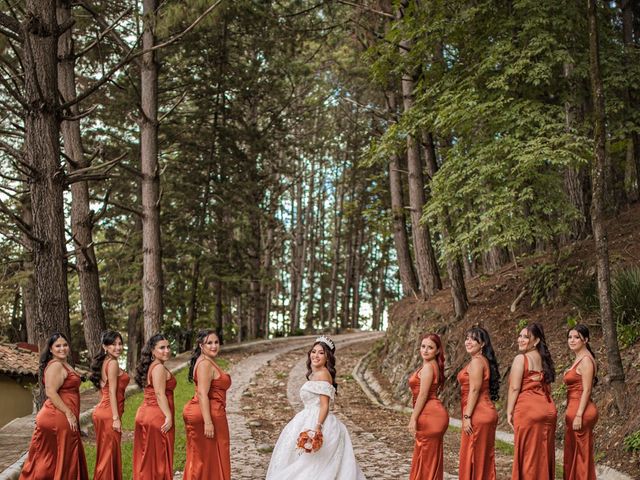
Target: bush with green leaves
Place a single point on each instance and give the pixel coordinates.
(632, 442)
(625, 300)
(548, 282)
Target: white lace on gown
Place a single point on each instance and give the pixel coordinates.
(335, 459)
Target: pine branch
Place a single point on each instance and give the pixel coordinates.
(107, 30)
(130, 56)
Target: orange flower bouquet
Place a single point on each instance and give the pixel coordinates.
(309, 441)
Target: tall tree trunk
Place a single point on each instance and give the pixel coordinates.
(576, 178)
(408, 278)
(426, 265)
(134, 337)
(598, 212)
(27, 286)
(336, 252)
(311, 250)
(266, 279)
(93, 318)
(152, 278)
(357, 273)
(454, 265)
(632, 167)
(345, 315)
(42, 154)
(297, 261)
(219, 310)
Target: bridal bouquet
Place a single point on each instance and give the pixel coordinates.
(309, 441)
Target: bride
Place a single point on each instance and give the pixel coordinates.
(334, 460)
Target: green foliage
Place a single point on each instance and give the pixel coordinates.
(548, 281)
(625, 301)
(632, 442)
(521, 324)
(625, 295)
(584, 294)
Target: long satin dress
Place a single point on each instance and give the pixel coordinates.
(433, 421)
(208, 458)
(152, 449)
(108, 456)
(477, 451)
(579, 463)
(56, 451)
(534, 422)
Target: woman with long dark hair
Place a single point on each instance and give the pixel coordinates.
(205, 416)
(56, 449)
(479, 384)
(112, 381)
(581, 415)
(332, 457)
(530, 409)
(429, 420)
(154, 435)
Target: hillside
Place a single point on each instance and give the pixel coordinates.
(491, 298)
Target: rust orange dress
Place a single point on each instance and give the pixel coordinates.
(477, 451)
(152, 449)
(428, 453)
(579, 463)
(208, 458)
(108, 457)
(534, 422)
(56, 451)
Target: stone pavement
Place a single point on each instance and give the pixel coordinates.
(375, 458)
(249, 461)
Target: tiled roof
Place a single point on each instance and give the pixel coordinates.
(18, 361)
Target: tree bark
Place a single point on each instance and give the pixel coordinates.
(598, 212)
(152, 277)
(426, 265)
(93, 318)
(297, 261)
(454, 265)
(632, 167)
(42, 154)
(336, 252)
(408, 278)
(576, 179)
(27, 286)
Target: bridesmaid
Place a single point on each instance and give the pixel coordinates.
(530, 410)
(479, 384)
(112, 381)
(430, 419)
(154, 434)
(582, 414)
(56, 451)
(204, 415)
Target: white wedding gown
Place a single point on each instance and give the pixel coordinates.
(333, 461)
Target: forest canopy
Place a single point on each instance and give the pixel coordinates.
(271, 167)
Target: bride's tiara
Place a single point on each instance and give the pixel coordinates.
(327, 341)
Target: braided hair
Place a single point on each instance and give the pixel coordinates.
(201, 337)
(548, 367)
(108, 337)
(480, 335)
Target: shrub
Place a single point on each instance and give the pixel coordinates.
(632, 442)
(548, 281)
